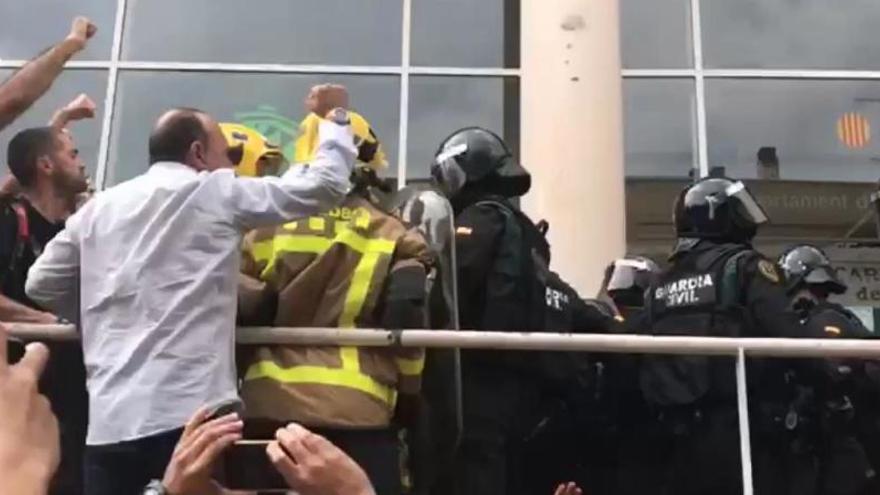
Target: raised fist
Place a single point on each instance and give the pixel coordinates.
(82, 107)
(81, 31)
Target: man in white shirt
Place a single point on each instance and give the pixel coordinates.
(156, 261)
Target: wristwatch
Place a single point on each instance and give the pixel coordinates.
(339, 116)
(155, 487)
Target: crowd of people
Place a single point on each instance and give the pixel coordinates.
(220, 230)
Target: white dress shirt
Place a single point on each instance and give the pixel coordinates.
(156, 261)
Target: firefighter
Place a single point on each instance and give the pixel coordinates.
(716, 285)
(355, 266)
(504, 284)
(844, 410)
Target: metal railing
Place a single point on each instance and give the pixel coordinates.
(635, 344)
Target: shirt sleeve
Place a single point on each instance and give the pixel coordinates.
(303, 191)
(54, 279)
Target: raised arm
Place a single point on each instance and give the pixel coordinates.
(27, 85)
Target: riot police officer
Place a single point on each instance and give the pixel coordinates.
(504, 284)
(717, 285)
(635, 471)
(846, 411)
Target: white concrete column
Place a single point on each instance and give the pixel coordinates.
(571, 132)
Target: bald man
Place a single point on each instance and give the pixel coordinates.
(157, 259)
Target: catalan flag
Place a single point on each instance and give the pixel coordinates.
(854, 130)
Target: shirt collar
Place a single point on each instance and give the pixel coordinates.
(171, 168)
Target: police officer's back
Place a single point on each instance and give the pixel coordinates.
(846, 409)
(717, 286)
(504, 284)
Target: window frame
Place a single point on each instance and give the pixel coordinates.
(404, 71)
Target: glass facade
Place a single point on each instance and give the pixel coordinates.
(783, 94)
(417, 70)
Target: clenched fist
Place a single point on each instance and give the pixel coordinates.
(325, 97)
(81, 31)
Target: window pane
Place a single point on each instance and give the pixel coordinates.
(465, 33)
(817, 130)
(27, 27)
(659, 127)
(269, 31)
(787, 34)
(269, 103)
(68, 86)
(655, 34)
(440, 106)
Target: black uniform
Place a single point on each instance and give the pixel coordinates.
(844, 466)
(513, 401)
(722, 290)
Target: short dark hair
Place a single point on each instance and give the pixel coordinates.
(175, 132)
(25, 149)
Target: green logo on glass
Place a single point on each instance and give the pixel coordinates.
(277, 128)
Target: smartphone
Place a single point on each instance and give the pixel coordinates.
(227, 407)
(246, 467)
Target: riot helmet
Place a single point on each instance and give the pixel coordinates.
(628, 278)
(478, 158)
(808, 266)
(718, 208)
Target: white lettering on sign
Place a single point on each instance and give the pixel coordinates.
(684, 291)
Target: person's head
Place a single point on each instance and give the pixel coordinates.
(808, 268)
(44, 155)
(719, 209)
(251, 153)
(191, 137)
(628, 278)
(475, 159)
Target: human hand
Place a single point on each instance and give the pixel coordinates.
(312, 465)
(325, 97)
(29, 437)
(81, 31)
(82, 107)
(200, 445)
(568, 489)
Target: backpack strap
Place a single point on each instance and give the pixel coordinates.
(22, 238)
(729, 291)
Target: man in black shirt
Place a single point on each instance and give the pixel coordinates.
(51, 175)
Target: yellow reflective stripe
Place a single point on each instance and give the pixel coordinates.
(351, 358)
(410, 367)
(357, 290)
(322, 376)
(317, 223)
(281, 243)
(291, 225)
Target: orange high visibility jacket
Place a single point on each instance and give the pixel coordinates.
(328, 271)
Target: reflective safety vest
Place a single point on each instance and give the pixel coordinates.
(329, 271)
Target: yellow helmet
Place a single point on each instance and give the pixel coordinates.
(370, 152)
(251, 153)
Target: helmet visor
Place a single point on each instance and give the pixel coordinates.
(823, 275)
(747, 205)
(626, 274)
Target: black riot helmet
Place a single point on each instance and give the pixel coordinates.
(628, 278)
(809, 266)
(477, 157)
(718, 208)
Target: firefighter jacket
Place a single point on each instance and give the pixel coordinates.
(341, 269)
